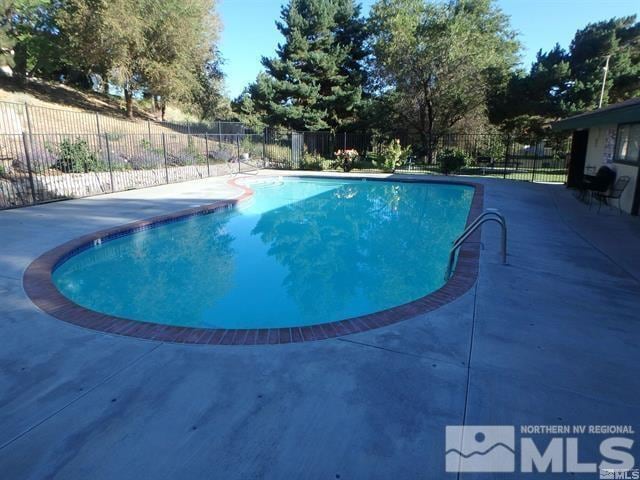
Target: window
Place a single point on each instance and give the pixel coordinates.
(628, 143)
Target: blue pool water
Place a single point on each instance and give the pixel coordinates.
(299, 252)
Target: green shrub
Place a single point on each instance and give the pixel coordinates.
(311, 162)
(491, 146)
(77, 157)
(451, 160)
(390, 155)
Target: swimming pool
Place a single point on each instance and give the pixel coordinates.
(299, 252)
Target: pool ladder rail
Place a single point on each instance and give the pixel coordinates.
(489, 215)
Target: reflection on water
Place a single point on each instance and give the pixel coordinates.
(382, 250)
(137, 276)
(302, 252)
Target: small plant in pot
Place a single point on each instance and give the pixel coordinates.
(346, 159)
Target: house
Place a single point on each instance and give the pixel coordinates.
(607, 136)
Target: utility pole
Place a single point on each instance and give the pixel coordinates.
(604, 80)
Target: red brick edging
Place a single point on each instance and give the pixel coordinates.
(39, 286)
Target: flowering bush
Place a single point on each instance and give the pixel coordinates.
(346, 159)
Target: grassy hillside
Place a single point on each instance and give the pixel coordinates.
(54, 104)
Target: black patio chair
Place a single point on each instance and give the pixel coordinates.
(600, 183)
(588, 175)
(613, 194)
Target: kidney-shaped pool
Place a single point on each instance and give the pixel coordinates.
(298, 252)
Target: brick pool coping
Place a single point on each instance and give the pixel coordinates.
(39, 287)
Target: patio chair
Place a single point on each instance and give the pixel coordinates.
(599, 183)
(587, 176)
(613, 194)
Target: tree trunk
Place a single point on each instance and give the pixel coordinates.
(432, 141)
(163, 110)
(128, 99)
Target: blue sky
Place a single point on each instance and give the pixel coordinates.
(249, 30)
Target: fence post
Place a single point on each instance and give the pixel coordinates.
(29, 126)
(264, 147)
(219, 136)
(344, 141)
(98, 130)
(535, 160)
(206, 152)
(106, 143)
(291, 151)
(26, 111)
(166, 167)
(238, 151)
(506, 156)
(149, 130)
(28, 158)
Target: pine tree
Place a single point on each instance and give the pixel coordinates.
(562, 83)
(315, 80)
(619, 38)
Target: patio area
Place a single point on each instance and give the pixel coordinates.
(553, 338)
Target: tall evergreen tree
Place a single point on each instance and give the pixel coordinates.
(564, 82)
(315, 80)
(530, 97)
(620, 39)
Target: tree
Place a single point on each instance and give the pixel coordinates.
(38, 51)
(245, 110)
(314, 82)
(564, 82)
(619, 38)
(7, 41)
(161, 48)
(208, 95)
(28, 43)
(100, 42)
(530, 98)
(180, 40)
(441, 59)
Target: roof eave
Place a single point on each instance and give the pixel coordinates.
(593, 119)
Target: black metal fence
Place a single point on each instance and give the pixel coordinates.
(40, 168)
(496, 155)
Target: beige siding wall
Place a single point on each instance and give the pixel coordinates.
(595, 158)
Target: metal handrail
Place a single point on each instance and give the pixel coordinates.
(489, 215)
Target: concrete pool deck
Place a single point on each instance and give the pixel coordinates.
(551, 339)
